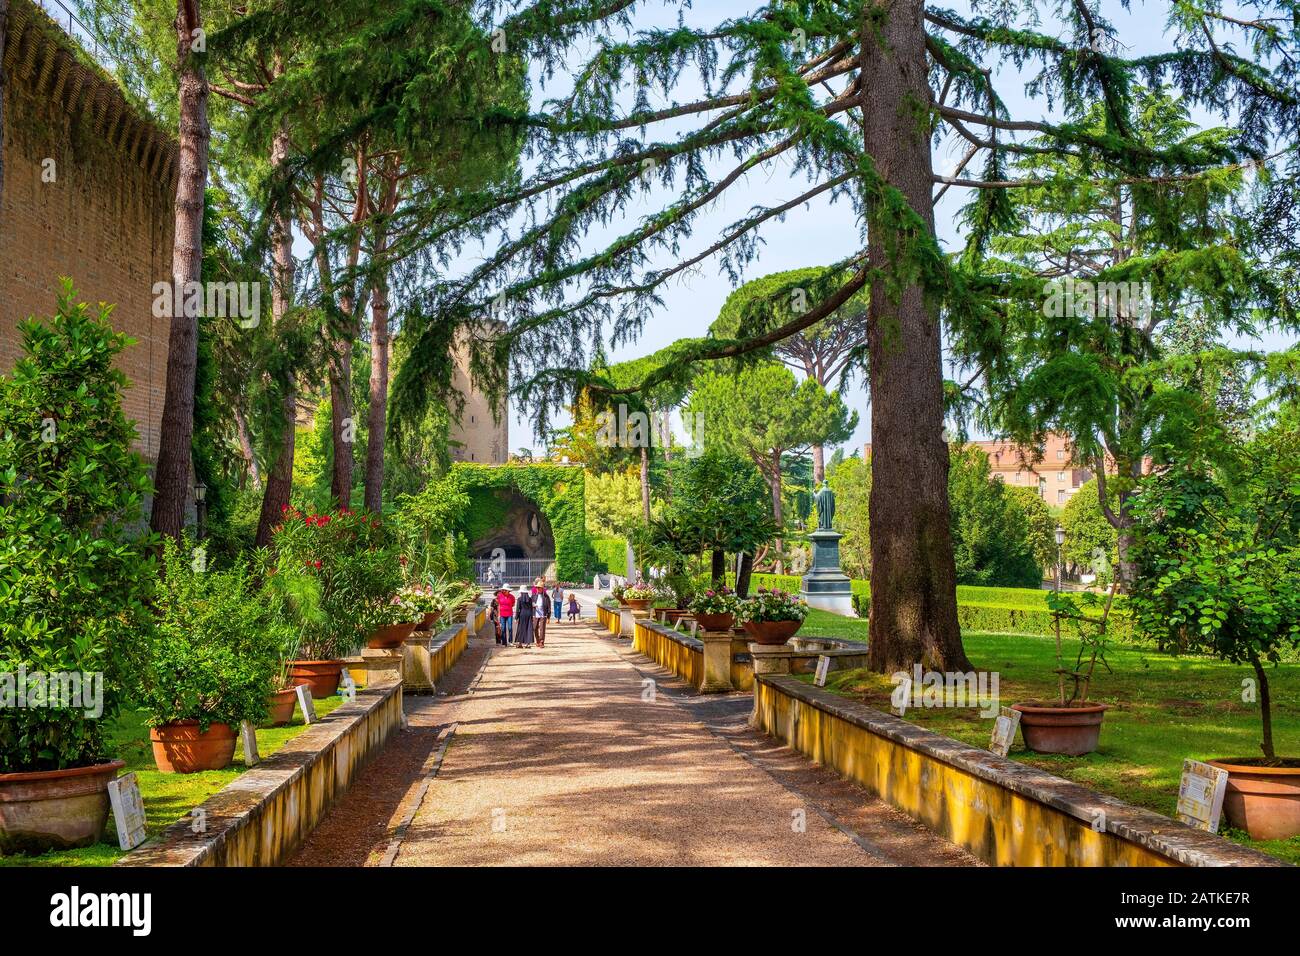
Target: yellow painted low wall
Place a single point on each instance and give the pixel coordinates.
(670, 649)
(1005, 813)
(610, 620)
(264, 815)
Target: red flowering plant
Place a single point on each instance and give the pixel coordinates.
(353, 559)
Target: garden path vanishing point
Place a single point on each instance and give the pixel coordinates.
(584, 753)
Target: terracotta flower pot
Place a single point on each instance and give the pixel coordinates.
(179, 747)
(390, 635)
(716, 622)
(321, 676)
(771, 632)
(281, 704)
(640, 605)
(427, 622)
(1061, 730)
(674, 614)
(54, 809)
(1263, 801)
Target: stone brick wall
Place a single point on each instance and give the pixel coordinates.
(105, 219)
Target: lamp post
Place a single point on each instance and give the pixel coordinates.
(201, 508)
(1060, 540)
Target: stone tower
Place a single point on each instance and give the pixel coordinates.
(479, 436)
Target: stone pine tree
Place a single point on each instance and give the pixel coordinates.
(764, 414)
(176, 431)
(848, 97)
(827, 352)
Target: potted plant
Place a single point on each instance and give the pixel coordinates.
(771, 616)
(211, 663)
(351, 557)
(715, 608)
(617, 592)
(1071, 725)
(293, 598)
(392, 622)
(75, 576)
(638, 596)
(1218, 556)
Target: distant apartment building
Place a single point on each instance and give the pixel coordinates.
(1050, 470)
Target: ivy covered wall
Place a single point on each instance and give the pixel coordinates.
(557, 490)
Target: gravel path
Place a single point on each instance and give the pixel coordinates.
(584, 754)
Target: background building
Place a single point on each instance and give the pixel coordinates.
(480, 435)
(1049, 470)
(88, 185)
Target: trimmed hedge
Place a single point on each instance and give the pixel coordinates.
(611, 555)
(997, 610)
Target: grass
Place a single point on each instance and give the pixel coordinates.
(167, 796)
(1163, 709)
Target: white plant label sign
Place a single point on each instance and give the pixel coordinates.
(248, 736)
(1004, 731)
(901, 695)
(128, 811)
(695, 627)
(823, 665)
(1200, 795)
(306, 703)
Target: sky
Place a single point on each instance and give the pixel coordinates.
(817, 234)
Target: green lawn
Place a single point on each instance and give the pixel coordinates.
(1163, 709)
(167, 796)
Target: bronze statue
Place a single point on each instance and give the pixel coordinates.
(825, 499)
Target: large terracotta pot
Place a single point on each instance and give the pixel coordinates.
(427, 622)
(1061, 730)
(390, 635)
(716, 622)
(280, 703)
(54, 809)
(674, 614)
(321, 676)
(771, 632)
(179, 747)
(637, 605)
(1263, 801)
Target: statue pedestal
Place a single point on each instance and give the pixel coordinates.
(825, 586)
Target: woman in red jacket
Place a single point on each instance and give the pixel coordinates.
(506, 607)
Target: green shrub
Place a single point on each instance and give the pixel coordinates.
(215, 648)
(611, 555)
(74, 576)
(351, 557)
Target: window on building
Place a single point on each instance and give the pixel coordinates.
(1060, 476)
(1060, 496)
(1042, 486)
(1060, 454)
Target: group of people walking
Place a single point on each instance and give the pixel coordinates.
(520, 619)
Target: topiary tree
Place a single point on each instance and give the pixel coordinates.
(76, 571)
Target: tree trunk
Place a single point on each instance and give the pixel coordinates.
(377, 415)
(342, 423)
(742, 576)
(718, 568)
(913, 579)
(819, 464)
(176, 431)
(774, 483)
(246, 448)
(645, 483)
(1265, 708)
(279, 483)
